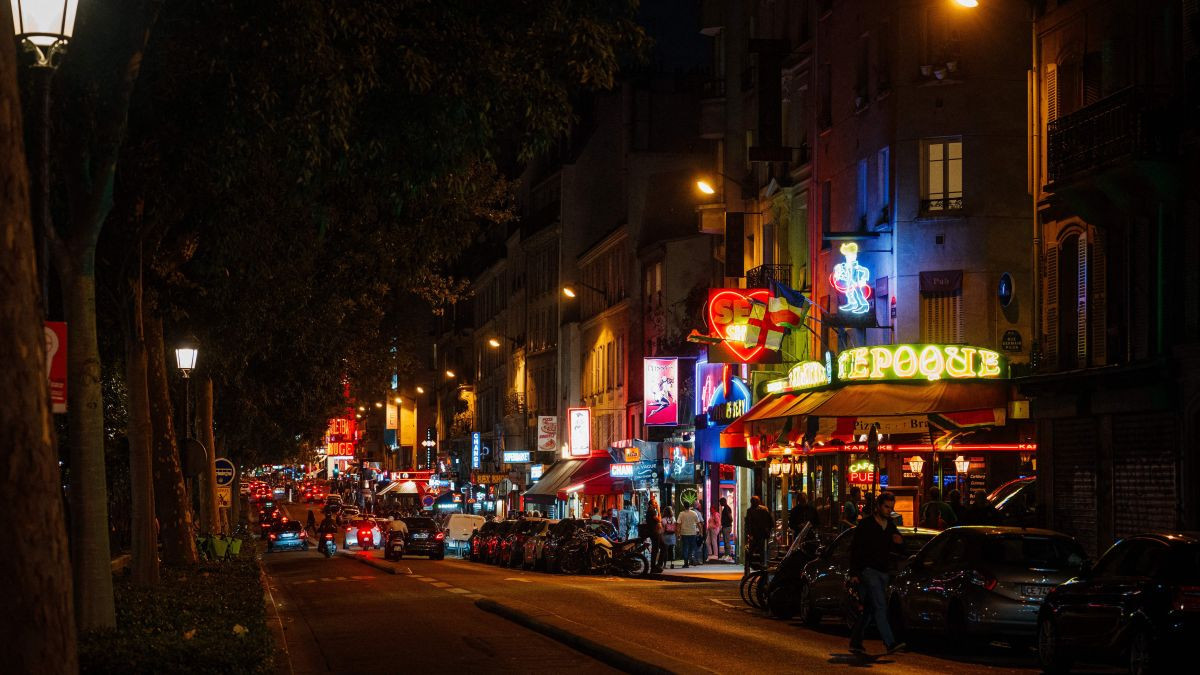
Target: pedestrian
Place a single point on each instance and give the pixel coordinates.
(655, 531)
(802, 514)
(758, 526)
(669, 534)
(689, 530)
(954, 499)
(711, 532)
(980, 512)
(701, 540)
(726, 530)
(311, 523)
(850, 509)
(937, 514)
(875, 545)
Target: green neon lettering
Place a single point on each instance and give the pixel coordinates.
(932, 363)
(956, 363)
(881, 360)
(904, 362)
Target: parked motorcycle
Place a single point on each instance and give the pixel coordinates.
(783, 588)
(365, 538)
(627, 558)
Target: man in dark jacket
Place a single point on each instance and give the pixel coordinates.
(759, 524)
(802, 512)
(873, 550)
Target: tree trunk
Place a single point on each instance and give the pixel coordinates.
(90, 554)
(209, 519)
(141, 438)
(37, 621)
(170, 495)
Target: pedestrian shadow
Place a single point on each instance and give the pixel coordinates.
(859, 660)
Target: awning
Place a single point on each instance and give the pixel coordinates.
(402, 487)
(895, 407)
(545, 491)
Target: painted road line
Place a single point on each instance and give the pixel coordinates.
(474, 596)
(524, 581)
(425, 579)
(458, 590)
(440, 584)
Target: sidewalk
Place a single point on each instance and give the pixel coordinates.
(716, 571)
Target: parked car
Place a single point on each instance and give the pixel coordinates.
(350, 533)
(512, 549)
(493, 545)
(535, 542)
(476, 542)
(1140, 604)
(822, 584)
(1015, 503)
(982, 580)
(424, 538)
(289, 534)
(561, 533)
(459, 527)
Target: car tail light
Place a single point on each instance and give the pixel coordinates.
(983, 579)
(303, 534)
(1187, 599)
(272, 535)
(440, 536)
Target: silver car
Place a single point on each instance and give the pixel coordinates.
(982, 580)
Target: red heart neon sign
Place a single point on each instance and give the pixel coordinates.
(725, 307)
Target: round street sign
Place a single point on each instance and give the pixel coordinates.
(225, 471)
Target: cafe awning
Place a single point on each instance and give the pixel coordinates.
(545, 491)
(894, 407)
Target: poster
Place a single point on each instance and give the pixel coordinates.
(579, 439)
(547, 438)
(660, 379)
(56, 364)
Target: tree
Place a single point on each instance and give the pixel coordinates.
(37, 619)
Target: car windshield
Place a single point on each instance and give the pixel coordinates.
(914, 542)
(1183, 564)
(1034, 552)
(1005, 492)
(420, 523)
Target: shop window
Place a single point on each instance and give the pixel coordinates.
(941, 317)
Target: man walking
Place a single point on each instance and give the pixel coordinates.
(876, 543)
(726, 542)
(689, 529)
(759, 524)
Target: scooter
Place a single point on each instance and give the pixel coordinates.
(327, 545)
(365, 538)
(782, 594)
(394, 549)
(628, 557)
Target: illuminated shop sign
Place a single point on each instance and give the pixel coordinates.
(920, 362)
(476, 449)
(516, 457)
(725, 395)
(621, 470)
(861, 473)
(579, 436)
(660, 382)
(340, 437)
(805, 375)
(852, 280)
(730, 318)
(535, 471)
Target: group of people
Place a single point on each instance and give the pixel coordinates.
(935, 513)
(699, 537)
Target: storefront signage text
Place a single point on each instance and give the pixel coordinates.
(476, 449)
(516, 457)
(579, 433)
(916, 362)
(861, 473)
(621, 470)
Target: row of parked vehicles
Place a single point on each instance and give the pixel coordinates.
(1139, 604)
(569, 545)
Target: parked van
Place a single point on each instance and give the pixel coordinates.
(459, 527)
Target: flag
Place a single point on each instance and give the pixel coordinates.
(791, 301)
(782, 313)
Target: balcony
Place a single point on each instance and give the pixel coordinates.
(763, 275)
(1127, 125)
(941, 205)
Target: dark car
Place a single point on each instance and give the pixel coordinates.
(425, 538)
(512, 549)
(560, 533)
(1140, 603)
(475, 543)
(1015, 503)
(535, 541)
(287, 535)
(822, 588)
(982, 580)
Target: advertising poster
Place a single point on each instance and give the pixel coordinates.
(660, 378)
(56, 364)
(579, 438)
(681, 463)
(547, 438)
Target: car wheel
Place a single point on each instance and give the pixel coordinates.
(809, 615)
(1051, 657)
(1141, 653)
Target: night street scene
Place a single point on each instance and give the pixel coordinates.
(599, 336)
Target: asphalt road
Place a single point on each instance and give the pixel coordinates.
(427, 609)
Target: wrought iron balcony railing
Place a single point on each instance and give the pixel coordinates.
(1124, 125)
(941, 205)
(763, 275)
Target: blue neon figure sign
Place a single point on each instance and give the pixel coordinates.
(851, 280)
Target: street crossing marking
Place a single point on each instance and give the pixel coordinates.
(474, 596)
(440, 584)
(458, 590)
(524, 581)
(426, 579)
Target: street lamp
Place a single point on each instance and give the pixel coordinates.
(44, 27)
(916, 463)
(420, 390)
(570, 292)
(967, 3)
(962, 464)
(450, 373)
(187, 352)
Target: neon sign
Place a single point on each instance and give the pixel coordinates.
(620, 470)
(914, 362)
(476, 449)
(861, 472)
(851, 280)
(730, 315)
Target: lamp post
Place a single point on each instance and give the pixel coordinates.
(43, 27)
(186, 355)
(570, 292)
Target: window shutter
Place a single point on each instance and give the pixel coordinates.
(1097, 300)
(1051, 302)
(1081, 296)
(1051, 92)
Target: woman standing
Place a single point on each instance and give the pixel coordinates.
(669, 526)
(714, 526)
(655, 529)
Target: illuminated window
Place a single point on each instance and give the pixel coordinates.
(942, 177)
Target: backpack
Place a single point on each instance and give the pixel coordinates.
(669, 525)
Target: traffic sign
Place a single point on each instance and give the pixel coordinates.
(224, 496)
(225, 471)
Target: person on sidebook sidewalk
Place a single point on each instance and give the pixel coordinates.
(714, 527)
(689, 530)
(875, 546)
(654, 528)
(669, 529)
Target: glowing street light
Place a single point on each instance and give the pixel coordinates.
(185, 356)
(568, 291)
(962, 464)
(916, 464)
(493, 343)
(399, 400)
(44, 27)
(705, 187)
(967, 3)
(420, 390)
(450, 373)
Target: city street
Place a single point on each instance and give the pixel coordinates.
(342, 614)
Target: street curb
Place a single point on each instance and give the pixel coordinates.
(603, 653)
(274, 623)
(369, 561)
(683, 578)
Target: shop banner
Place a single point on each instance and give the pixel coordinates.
(393, 417)
(579, 438)
(547, 439)
(56, 364)
(681, 463)
(660, 381)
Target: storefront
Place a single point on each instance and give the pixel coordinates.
(898, 417)
(722, 397)
(575, 488)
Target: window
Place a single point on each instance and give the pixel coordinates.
(863, 196)
(941, 317)
(883, 181)
(942, 178)
(861, 77)
(826, 197)
(825, 84)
